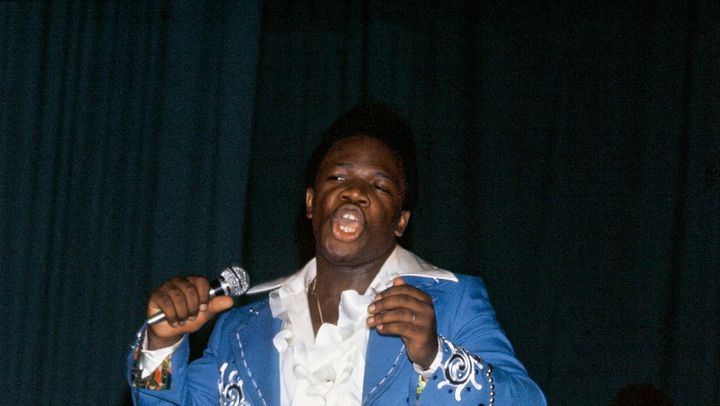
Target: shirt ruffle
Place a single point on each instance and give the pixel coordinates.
(327, 369)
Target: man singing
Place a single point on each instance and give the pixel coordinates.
(365, 322)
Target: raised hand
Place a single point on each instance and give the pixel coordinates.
(406, 311)
(187, 307)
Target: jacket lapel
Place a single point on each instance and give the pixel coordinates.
(384, 360)
(257, 357)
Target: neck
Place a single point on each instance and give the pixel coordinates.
(331, 280)
(336, 278)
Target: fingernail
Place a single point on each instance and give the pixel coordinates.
(203, 307)
(371, 308)
(175, 324)
(191, 318)
(370, 320)
(182, 322)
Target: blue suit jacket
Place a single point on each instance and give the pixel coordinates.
(240, 364)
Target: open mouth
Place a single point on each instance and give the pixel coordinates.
(348, 223)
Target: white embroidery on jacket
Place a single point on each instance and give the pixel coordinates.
(230, 388)
(460, 369)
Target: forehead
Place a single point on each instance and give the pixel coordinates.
(363, 150)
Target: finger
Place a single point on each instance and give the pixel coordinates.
(185, 298)
(191, 324)
(219, 304)
(400, 287)
(407, 331)
(161, 301)
(202, 287)
(400, 315)
(192, 287)
(164, 299)
(399, 301)
(177, 298)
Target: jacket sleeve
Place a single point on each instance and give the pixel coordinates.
(190, 383)
(478, 363)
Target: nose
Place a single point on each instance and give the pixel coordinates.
(355, 193)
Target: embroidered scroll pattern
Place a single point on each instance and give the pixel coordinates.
(461, 369)
(230, 388)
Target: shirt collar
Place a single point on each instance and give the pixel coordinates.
(400, 263)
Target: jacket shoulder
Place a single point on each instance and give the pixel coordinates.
(240, 316)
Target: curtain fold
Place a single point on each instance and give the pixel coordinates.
(568, 155)
(125, 137)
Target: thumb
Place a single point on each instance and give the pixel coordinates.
(399, 282)
(219, 304)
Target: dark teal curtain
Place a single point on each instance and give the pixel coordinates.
(568, 155)
(125, 145)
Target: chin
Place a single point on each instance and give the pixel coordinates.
(342, 253)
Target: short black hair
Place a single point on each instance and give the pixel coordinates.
(377, 121)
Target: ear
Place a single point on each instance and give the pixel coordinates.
(402, 223)
(309, 194)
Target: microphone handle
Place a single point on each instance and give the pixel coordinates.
(217, 288)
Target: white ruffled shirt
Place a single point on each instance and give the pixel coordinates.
(326, 369)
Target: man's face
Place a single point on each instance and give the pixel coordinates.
(356, 203)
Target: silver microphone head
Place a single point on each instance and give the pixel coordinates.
(236, 281)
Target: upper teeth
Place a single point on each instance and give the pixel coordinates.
(349, 216)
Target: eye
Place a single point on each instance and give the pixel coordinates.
(337, 178)
(381, 188)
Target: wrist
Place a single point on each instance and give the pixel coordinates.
(155, 342)
(426, 372)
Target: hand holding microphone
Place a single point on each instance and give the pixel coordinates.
(184, 304)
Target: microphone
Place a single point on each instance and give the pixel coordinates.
(233, 281)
